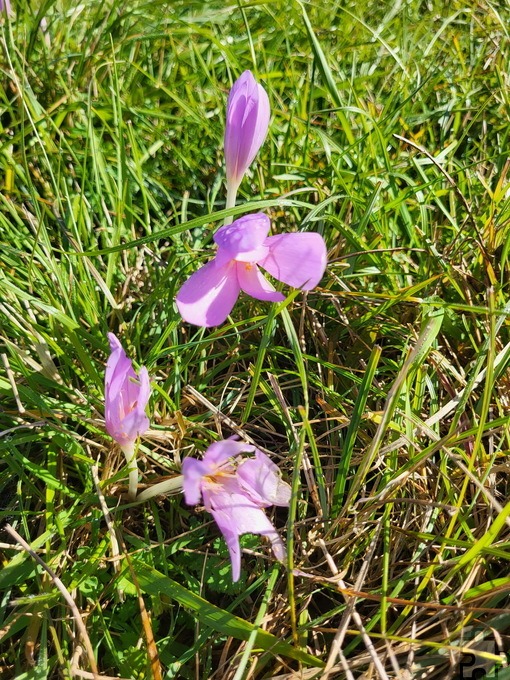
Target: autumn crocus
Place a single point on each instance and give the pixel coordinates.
(5, 6)
(245, 130)
(235, 488)
(126, 397)
(299, 260)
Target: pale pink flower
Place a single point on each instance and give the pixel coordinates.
(126, 397)
(235, 489)
(298, 259)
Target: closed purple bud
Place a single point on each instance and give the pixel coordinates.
(246, 127)
(5, 6)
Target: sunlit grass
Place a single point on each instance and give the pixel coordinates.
(382, 394)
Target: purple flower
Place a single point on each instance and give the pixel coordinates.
(5, 6)
(246, 128)
(234, 490)
(299, 260)
(126, 397)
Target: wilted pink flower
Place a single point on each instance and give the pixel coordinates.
(234, 490)
(246, 127)
(299, 260)
(126, 397)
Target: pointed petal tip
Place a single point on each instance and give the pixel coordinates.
(114, 341)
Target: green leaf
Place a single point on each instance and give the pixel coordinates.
(157, 584)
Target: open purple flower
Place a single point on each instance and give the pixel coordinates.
(234, 490)
(126, 397)
(299, 260)
(246, 128)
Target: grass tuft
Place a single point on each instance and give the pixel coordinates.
(382, 394)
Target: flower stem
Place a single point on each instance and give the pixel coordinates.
(129, 451)
(231, 200)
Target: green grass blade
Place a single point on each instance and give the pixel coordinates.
(157, 584)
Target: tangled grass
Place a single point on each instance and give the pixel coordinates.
(382, 394)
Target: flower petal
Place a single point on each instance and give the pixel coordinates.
(246, 125)
(134, 424)
(260, 478)
(253, 282)
(299, 260)
(192, 470)
(231, 537)
(243, 240)
(116, 353)
(144, 391)
(277, 546)
(207, 297)
(118, 369)
(219, 452)
(136, 391)
(236, 514)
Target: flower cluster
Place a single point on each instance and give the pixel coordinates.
(298, 259)
(234, 488)
(234, 481)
